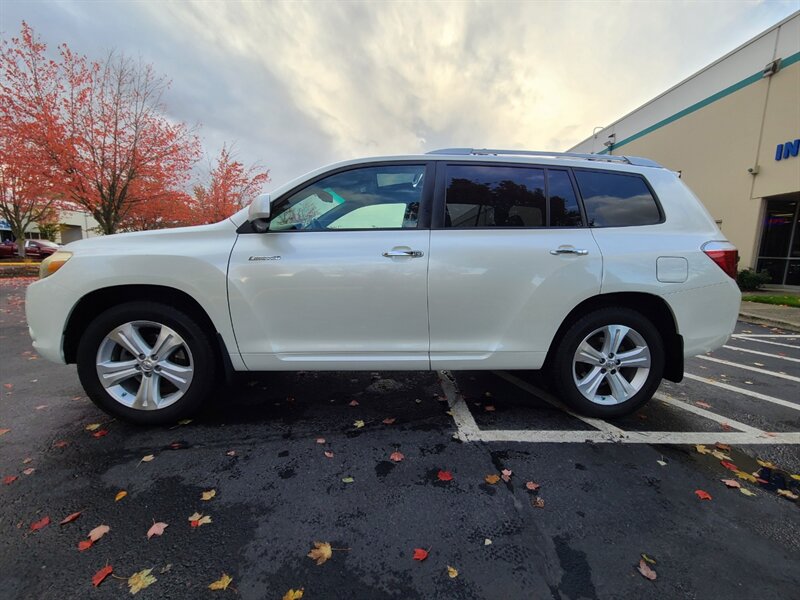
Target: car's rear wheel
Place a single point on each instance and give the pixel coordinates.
(608, 363)
(146, 363)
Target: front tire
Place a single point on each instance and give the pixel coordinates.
(608, 363)
(146, 363)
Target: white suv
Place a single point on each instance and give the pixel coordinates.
(604, 270)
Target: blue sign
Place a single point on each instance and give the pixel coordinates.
(787, 149)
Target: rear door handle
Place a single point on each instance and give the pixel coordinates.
(411, 253)
(569, 250)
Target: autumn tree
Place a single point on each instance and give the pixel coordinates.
(230, 186)
(100, 125)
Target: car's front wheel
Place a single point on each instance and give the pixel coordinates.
(146, 363)
(608, 363)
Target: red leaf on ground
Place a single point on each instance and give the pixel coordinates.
(100, 433)
(389, 420)
(61, 444)
(396, 456)
(703, 495)
(85, 544)
(353, 402)
(731, 483)
(489, 408)
(506, 475)
(725, 427)
(98, 577)
(420, 554)
(532, 486)
(37, 525)
(702, 404)
(328, 454)
(445, 476)
(646, 571)
(9, 479)
(723, 447)
(70, 518)
(729, 465)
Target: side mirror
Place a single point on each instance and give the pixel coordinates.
(259, 211)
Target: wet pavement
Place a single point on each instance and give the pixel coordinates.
(262, 448)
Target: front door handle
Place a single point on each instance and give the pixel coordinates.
(411, 253)
(569, 250)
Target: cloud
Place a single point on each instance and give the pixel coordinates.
(297, 85)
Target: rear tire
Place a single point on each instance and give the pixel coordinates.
(146, 363)
(608, 363)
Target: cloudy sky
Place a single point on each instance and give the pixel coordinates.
(300, 84)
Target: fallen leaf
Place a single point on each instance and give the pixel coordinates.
(222, 583)
(489, 408)
(452, 572)
(138, 581)
(396, 456)
(648, 559)
(719, 455)
(85, 545)
(197, 519)
(492, 479)
(29, 471)
(147, 458)
(92, 427)
(538, 502)
(347, 480)
(389, 420)
(702, 449)
(358, 424)
(487, 542)
(532, 486)
(506, 475)
(184, 421)
(731, 483)
(321, 552)
(231, 453)
(70, 518)
(420, 554)
(646, 571)
(9, 479)
(703, 495)
(746, 492)
(4, 431)
(293, 595)
(60, 444)
(795, 477)
(120, 495)
(788, 494)
(98, 577)
(100, 433)
(745, 476)
(445, 475)
(208, 495)
(328, 454)
(766, 464)
(353, 402)
(320, 440)
(98, 532)
(729, 465)
(27, 460)
(725, 427)
(43, 522)
(721, 446)
(662, 463)
(702, 404)
(156, 529)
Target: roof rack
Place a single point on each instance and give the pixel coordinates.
(630, 160)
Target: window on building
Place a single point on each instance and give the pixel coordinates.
(616, 199)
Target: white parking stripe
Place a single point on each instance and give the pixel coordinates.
(468, 430)
(748, 368)
(550, 399)
(742, 339)
(640, 437)
(778, 356)
(707, 414)
(743, 391)
(767, 335)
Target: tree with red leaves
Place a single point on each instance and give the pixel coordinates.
(231, 186)
(98, 128)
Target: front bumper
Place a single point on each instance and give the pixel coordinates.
(48, 305)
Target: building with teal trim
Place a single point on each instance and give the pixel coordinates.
(733, 132)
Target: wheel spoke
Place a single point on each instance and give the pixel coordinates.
(621, 388)
(587, 352)
(614, 334)
(177, 375)
(129, 338)
(638, 357)
(115, 372)
(166, 343)
(148, 396)
(589, 384)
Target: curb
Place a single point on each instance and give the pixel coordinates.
(759, 320)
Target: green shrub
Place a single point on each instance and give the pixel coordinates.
(749, 280)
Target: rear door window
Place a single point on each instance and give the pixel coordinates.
(616, 199)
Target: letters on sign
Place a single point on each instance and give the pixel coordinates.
(787, 150)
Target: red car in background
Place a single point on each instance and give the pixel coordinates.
(8, 249)
(40, 248)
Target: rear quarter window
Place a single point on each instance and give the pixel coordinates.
(616, 199)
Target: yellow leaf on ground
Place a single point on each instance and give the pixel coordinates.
(293, 594)
(720, 455)
(184, 421)
(138, 581)
(766, 463)
(452, 571)
(148, 458)
(208, 495)
(746, 492)
(222, 583)
(197, 519)
(788, 494)
(702, 449)
(745, 476)
(797, 477)
(492, 479)
(320, 552)
(358, 425)
(92, 427)
(120, 495)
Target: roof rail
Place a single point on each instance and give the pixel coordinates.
(631, 160)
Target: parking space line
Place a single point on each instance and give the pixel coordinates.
(552, 400)
(778, 356)
(760, 341)
(748, 368)
(706, 414)
(743, 391)
(765, 335)
(468, 430)
(641, 437)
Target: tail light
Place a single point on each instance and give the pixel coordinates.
(724, 254)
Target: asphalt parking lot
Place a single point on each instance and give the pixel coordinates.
(298, 458)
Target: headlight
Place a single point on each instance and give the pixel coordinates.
(53, 263)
